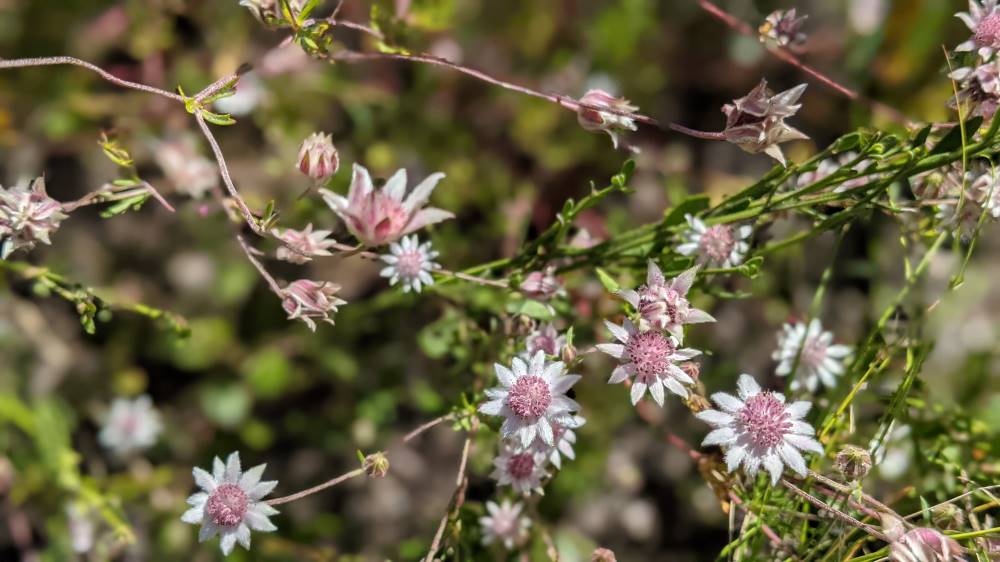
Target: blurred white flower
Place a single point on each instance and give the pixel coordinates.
(81, 526)
(723, 245)
(522, 470)
(380, 216)
(983, 19)
(541, 286)
(547, 339)
(650, 359)
(759, 430)
(664, 305)
(230, 504)
(411, 262)
(505, 524)
(302, 245)
(191, 173)
(531, 399)
(783, 28)
(249, 93)
(818, 359)
(130, 426)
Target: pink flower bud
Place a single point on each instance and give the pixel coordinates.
(27, 216)
(541, 285)
(318, 157)
(611, 123)
(924, 544)
(306, 299)
(603, 555)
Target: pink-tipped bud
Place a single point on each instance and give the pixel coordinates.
(306, 300)
(591, 118)
(603, 555)
(318, 158)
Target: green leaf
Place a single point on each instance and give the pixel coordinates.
(610, 285)
(217, 118)
(120, 207)
(952, 140)
(530, 308)
(921, 137)
(689, 206)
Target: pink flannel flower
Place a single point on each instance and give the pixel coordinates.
(27, 216)
(723, 245)
(922, 544)
(521, 469)
(651, 358)
(318, 158)
(306, 299)
(983, 20)
(610, 123)
(547, 339)
(759, 430)
(541, 285)
(756, 122)
(302, 245)
(664, 305)
(377, 217)
(532, 399)
(783, 28)
(505, 524)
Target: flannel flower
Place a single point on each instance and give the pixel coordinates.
(922, 544)
(650, 359)
(783, 28)
(377, 217)
(723, 245)
(532, 399)
(306, 299)
(545, 338)
(979, 87)
(611, 123)
(318, 158)
(663, 304)
(819, 359)
(131, 425)
(756, 122)
(541, 286)
(301, 246)
(27, 216)
(520, 468)
(565, 438)
(411, 262)
(759, 430)
(504, 524)
(229, 504)
(983, 20)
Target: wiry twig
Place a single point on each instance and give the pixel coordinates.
(51, 61)
(413, 434)
(458, 498)
(248, 215)
(837, 514)
(309, 491)
(252, 256)
(348, 251)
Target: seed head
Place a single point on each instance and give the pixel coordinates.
(853, 462)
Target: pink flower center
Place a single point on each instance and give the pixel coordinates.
(227, 505)
(390, 217)
(717, 242)
(764, 418)
(521, 466)
(988, 31)
(529, 397)
(658, 305)
(649, 353)
(410, 263)
(813, 353)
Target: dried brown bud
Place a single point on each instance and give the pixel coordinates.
(376, 465)
(853, 462)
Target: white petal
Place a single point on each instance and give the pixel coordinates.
(519, 367)
(243, 536)
(656, 389)
(799, 408)
(638, 389)
(805, 443)
(791, 456)
(194, 515)
(420, 194)
(545, 431)
(675, 387)
(618, 375)
(727, 402)
(259, 522)
(207, 531)
(232, 475)
(721, 436)
(613, 349)
(746, 387)
(395, 187)
(227, 542)
(203, 479)
(734, 457)
(491, 408)
(261, 489)
(562, 384)
(772, 463)
(619, 332)
(251, 477)
(715, 418)
(504, 375)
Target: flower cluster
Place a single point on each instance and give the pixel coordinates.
(308, 300)
(27, 216)
(318, 158)
(960, 199)
(979, 79)
(664, 305)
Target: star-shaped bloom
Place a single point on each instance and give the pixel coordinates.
(229, 504)
(756, 122)
(131, 425)
(505, 524)
(983, 19)
(723, 245)
(307, 300)
(379, 216)
(545, 338)
(27, 216)
(301, 246)
(532, 399)
(818, 359)
(979, 87)
(411, 262)
(663, 304)
(650, 359)
(520, 468)
(565, 438)
(784, 28)
(759, 430)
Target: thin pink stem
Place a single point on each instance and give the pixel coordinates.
(317, 488)
(251, 255)
(413, 434)
(706, 135)
(224, 170)
(50, 61)
(837, 514)
(458, 498)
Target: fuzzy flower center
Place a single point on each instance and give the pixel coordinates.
(988, 31)
(813, 353)
(521, 466)
(410, 263)
(764, 418)
(717, 242)
(227, 505)
(656, 303)
(503, 524)
(529, 397)
(649, 352)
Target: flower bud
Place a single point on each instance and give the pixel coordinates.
(611, 123)
(853, 462)
(376, 465)
(306, 299)
(603, 555)
(947, 516)
(540, 285)
(318, 158)
(924, 544)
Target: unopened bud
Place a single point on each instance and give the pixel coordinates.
(853, 462)
(376, 465)
(318, 158)
(568, 354)
(948, 516)
(603, 555)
